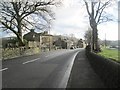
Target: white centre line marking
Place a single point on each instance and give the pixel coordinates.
(3, 69)
(31, 60)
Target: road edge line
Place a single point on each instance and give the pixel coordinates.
(68, 72)
(3, 69)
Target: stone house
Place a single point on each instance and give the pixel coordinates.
(33, 39)
(39, 39)
(61, 44)
(46, 40)
(64, 41)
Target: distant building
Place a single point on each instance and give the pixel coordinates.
(32, 38)
(61, 44)
(80, 43)
(9, 42)
(39, 39)
(64, 41)
(46, 40)
(56, 37)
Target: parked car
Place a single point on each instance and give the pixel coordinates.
(71, 47)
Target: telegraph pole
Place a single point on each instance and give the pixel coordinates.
(49, 40)
(49, 36)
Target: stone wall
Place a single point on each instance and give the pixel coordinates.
(108, 70)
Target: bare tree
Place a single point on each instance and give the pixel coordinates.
(97, 15)
(88, 36)
(13, 15)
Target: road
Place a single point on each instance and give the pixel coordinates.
(46, 70)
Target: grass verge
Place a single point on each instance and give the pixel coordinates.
(110, 53)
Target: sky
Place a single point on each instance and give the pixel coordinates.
(71, 18)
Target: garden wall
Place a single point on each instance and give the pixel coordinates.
(108, 70)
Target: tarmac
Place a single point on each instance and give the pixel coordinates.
(82, 74)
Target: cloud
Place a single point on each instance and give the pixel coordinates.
(110, 29)
(71, 18)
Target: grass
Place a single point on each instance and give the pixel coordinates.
(110, 53)
(12, 53)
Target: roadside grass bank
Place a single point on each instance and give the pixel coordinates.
(112, 54)
(10, 53)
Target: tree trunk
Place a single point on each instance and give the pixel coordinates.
(20, 37)
(93, 25)
(96, 39)
(93, 39)
(20, 40)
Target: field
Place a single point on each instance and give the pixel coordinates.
(110, 53)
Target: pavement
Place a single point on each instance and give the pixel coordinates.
(82, 74)
(46, 70)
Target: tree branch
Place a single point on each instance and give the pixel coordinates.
(97, 11)
(87, 7)
(4, 24)
(100, 15)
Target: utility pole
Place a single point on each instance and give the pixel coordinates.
(49, 41)
(40, 43)
(49, 36)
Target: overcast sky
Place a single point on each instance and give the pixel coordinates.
(71, 18)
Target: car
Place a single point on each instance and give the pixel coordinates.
(71, 47)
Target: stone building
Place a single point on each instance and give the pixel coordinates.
(42, 40)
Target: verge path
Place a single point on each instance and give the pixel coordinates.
(82, 74)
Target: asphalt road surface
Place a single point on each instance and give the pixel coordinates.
(46, 70)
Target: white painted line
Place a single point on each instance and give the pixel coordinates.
(3, 69)
(31, 60)
(65, 79)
